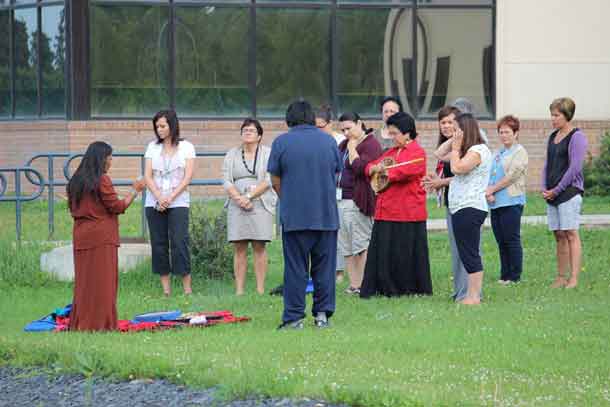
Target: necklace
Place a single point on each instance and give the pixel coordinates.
(167, 156)
(243, 159)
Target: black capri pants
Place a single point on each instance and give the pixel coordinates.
(169, 230)
(467, 224)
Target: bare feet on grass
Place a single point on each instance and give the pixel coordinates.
(572, 283)
(559, 282)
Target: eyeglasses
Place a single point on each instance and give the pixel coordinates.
(249, 130)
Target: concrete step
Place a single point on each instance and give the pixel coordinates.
(59, 262)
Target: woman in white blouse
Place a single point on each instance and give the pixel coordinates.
(170, 163)
(470, 160)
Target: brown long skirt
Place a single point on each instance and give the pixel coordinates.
(95, 289)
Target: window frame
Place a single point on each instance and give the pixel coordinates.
(38, 5)
(78, 71)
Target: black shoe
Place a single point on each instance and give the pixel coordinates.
(279, 290)
(321, 321)
(298, 324)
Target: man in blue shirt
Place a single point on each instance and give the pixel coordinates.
(303, 165)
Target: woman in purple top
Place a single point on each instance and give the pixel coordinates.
(357, 201)
(562, 188)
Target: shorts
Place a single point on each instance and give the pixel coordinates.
(565, 216)
(355, 229)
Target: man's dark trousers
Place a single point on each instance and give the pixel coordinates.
(299, 248)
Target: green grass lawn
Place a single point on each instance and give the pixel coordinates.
(526, 345)
(35, 216)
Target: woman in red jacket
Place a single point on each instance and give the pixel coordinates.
(95, 207)
(397, 262)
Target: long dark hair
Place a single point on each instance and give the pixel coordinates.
(354, 117)
(172, 121)
(86, 179)
(444, 112)
(472, 135)
(324, 112)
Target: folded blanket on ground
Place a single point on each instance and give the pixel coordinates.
(59, 320)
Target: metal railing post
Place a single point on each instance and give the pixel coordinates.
(51, 183)
(18, 204)
(51, 199)
(19, 198)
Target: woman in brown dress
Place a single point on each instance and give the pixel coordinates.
(95, 207)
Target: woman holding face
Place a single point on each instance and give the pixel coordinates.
(389, 105)
(251, 204)
(439, 182)
(357, 203)
(470, 160)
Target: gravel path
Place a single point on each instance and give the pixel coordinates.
(22, 387)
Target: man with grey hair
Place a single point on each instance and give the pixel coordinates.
(466, 106)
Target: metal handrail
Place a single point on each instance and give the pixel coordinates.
(50, 182)
(3, 184)
(127, 182)
(18, 198)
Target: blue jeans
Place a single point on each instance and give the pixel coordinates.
(506, 225)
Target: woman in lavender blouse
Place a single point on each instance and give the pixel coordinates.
(562, 188)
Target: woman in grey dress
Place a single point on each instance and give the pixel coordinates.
(251, 203)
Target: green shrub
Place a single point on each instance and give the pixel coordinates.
(211, 254)
(20, 265)
(597, 170)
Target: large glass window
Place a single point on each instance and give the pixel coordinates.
(372, 62)
(53, 61)
(235, 58)
(5, 64)
(26, 93)
(455, 63)
(292, 58)
(129, 60)
(212, 61)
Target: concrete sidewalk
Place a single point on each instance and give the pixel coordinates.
(585, 221)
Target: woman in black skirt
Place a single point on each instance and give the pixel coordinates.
(397, 262)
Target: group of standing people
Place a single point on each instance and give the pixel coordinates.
(357, 196)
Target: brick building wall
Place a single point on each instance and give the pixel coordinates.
(20, 140)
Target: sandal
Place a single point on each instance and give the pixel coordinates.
(352, 291)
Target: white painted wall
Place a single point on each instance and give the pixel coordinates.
(551, 48)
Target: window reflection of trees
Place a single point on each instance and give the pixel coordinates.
(212, 61)
(53, 61)
(129, 59)
(24, 29)
(5, 66)
(370, 56)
